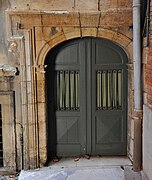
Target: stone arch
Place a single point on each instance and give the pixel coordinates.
(67, 34)
(71, 33)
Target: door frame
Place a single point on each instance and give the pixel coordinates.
(89, 102)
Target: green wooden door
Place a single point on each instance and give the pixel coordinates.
(87, 97)
(109, 98)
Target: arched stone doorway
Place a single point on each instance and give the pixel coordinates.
(86, 82)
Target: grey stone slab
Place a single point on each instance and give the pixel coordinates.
(99, 168)
(106, 161)
(114, 173)
(64, 163)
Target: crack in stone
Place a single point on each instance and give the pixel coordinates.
(80, 24)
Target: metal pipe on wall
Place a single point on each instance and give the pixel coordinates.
(137, 157)
(147, 22)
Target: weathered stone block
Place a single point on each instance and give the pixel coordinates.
(130, 52)
(145, 55)
(132, 128)
(71, 32)
(105, 33)
(41, 91)
(145, 98)
(41, 54)
(121, 39)
(15, 20)
(86, 5)
(89, 32)
(119, 18)
(50, 32)
(38, 46)
(90, 20)
(42, 113)
(112, 4)
(9, 155)
(30, 20)
(60, 37)
(131, 145)
(126, 30)
(130, 78)
(43, 155)
(40, 74)
(38, 33)
(32, 147)
(61, 19)
(42, 134)
(51, 5)
(42, 5)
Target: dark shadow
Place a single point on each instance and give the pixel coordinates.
(51, 108)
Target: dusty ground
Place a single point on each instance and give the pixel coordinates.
(82, 168)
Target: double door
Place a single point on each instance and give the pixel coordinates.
(87, 98)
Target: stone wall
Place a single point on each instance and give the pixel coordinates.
(147, 143)
(3, 42)
(32, 29)
(70, 5)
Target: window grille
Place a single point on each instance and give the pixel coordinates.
(67, 90)
(109, 89)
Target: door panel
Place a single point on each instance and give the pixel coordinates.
(109, 97)
(68, 130)
(87, 103)
(66, 107)
(106, 52)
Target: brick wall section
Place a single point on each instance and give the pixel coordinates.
(147, 108)
(148, 68)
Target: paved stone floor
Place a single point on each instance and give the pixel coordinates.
(99, 168)
(83, 169)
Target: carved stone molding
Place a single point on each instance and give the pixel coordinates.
(7, 70)
(12, 47)
(41, 69)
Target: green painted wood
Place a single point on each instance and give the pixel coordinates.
(66, 108)
(109, 124)
(96, 91)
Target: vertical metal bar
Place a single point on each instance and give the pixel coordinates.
(61, 90)
(58, 90)
(109, 90)
(114, 89)
(104, 93)
(72, 89)
(77, 90)
(98, 89)
(119, 88)
(67, 90)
